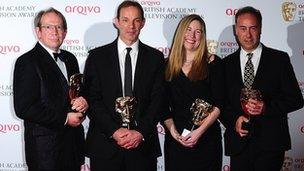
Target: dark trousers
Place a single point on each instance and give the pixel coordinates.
(124, 161)
(253, 158)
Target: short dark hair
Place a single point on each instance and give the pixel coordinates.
(249, 10)
(37, 20)
(130, 3)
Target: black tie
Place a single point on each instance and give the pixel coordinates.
(249, 72)
(128, 74)
(60, 56)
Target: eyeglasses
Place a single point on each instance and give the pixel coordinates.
(53, 27)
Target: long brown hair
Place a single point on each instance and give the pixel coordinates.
(177, 55)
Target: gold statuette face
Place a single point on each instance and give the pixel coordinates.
(75, 84)
(126, 106)
(200, 110)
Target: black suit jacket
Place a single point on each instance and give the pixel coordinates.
(276, 80)
(41, 100)
(103, 85)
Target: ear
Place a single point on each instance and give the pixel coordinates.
(142, 23)
(116, 22)
(38, 32)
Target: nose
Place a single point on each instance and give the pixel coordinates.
(191, 34)
(248, 33)
(131, 25)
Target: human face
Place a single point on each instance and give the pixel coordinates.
(51, 32)
(248, 31)
(192, 37)
(129, 24)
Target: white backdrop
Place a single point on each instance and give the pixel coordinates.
(90, 25)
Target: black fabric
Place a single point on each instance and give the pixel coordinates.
(43, 105)
(128, 74)
(60, 56)
(181, 93)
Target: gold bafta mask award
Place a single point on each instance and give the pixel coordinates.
(246, 94)
(75, 84)
(125, 107)
(200, 110)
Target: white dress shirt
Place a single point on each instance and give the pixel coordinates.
(59, 63)
(122, 51)
(255, 59)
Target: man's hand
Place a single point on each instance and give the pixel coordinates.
(74, 119)
(119, 135)
(79, 104)
(132, 140)
(238, 126)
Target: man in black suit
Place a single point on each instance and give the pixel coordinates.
(262, 147)
(110, 146)
(54, 136)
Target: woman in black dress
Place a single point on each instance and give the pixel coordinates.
(191, 73)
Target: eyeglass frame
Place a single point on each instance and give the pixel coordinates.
(50, 27)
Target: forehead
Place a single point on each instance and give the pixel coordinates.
(130, 11)
(195, 24)
(247, 19)
(51, 17)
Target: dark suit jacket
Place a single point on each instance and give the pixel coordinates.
(103, 85)
(276, 80)
(41, 100)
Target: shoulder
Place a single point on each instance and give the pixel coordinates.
(27, 57)
(231, 58)
(150, 51)
(103, 48)
(103, 51)
(275, 53)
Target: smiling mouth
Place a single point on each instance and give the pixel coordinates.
(190, 41)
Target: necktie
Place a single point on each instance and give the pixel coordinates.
(60, 56)
(128, 74)
(249, 72)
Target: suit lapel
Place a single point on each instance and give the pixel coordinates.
(139, 68)
(51, 65)
(114, 58)
(237, 70)
(262, 65)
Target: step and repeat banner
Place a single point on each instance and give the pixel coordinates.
(90, 24)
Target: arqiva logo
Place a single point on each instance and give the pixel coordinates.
(230, 11)
(302, 129)
(5, 128)
(5, 49)
(84, 10)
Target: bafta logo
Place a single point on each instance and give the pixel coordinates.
(125, 107)
(212, 46)
(287, 165)
(289, 10)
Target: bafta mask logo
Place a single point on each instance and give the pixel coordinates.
(287, 165)
(212, 46)
(289, 10)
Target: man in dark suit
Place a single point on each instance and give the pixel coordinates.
(110, 146)
(54, 136)
(262, 147)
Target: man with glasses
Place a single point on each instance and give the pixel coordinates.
(53, 134)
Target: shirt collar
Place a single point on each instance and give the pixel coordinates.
(50, 51)
(256, 51)
(122, 46)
